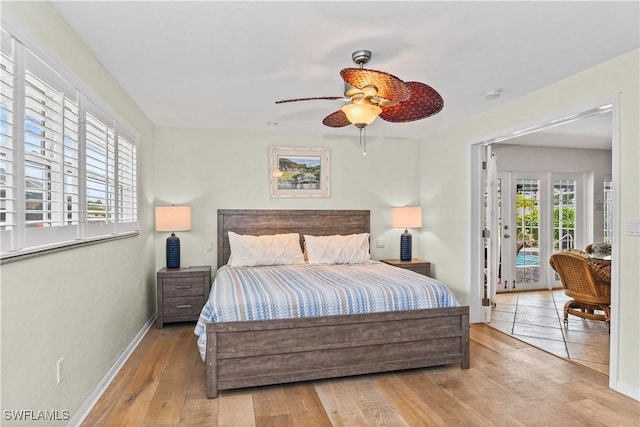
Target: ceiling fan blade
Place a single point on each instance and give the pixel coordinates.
(337, 119)
(335, 98)
(424, 102)
(389, 86)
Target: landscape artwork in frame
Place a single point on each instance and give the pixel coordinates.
(299, 172)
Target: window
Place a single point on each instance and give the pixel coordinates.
(68, 167)
(608, 211)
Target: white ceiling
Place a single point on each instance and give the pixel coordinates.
(214, 64)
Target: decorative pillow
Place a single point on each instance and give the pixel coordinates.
(337, 249)
(270, 249)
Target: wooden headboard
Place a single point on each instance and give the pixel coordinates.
(313, 222)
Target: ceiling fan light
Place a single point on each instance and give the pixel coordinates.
(361, 114)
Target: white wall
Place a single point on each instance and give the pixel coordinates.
(85, 304)
(215, 169)
(518, 158)
(445, 178)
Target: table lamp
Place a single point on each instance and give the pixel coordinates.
(173, 218)
(406, 217)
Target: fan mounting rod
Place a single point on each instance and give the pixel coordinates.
(361, 57)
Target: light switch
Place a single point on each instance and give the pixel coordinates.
(633, 227)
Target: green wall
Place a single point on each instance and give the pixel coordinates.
(87, 304)
(214, 169)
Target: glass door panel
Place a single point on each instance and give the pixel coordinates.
(527, 217)
(564, 218)
(564, 214)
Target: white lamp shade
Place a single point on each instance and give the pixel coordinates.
(406, 217)
(361, 114)
(173, 218)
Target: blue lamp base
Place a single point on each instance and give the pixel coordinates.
(405, 246)
(173, 252)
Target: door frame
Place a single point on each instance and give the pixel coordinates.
(475, 264)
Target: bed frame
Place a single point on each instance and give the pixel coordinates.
(256, 353)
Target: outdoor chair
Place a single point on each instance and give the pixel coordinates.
(590, 292)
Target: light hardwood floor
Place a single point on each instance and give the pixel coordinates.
(510, 383)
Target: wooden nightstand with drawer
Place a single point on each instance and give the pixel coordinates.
(417, 265)
(181, 293)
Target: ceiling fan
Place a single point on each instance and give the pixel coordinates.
(373, 93)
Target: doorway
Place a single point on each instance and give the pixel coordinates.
(560, 191)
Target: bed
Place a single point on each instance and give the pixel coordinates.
(248, 353)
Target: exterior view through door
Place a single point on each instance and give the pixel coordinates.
(543, 214)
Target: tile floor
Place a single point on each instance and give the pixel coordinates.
(537, 318)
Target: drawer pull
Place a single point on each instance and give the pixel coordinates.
(183, 306)
(183, 286)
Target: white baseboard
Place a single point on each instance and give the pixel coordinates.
(93, 398)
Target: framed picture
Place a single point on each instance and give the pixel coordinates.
(299, 172)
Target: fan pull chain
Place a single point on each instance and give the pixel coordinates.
(363, 141)
(364, 152)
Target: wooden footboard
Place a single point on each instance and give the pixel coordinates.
(255, 353)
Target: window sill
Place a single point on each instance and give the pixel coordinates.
(37, 252)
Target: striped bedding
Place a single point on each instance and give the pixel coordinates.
(289, 291)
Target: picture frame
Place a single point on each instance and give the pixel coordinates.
(298, 172)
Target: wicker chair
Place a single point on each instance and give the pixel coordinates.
(584, 281)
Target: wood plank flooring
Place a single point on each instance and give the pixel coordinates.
(510, 383)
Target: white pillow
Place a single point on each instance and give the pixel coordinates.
(337, 249)
(270, 249)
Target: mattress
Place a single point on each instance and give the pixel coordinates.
(292, 291)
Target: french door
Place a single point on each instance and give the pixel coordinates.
(491, 216)
(542, 214)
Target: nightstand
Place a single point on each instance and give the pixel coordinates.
(181, 293)
(417, 265)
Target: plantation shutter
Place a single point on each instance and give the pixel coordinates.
(68, 165)
(8, 152)
(127, 155)
(50, 111)
(100, 174)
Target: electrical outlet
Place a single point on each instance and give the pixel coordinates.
(61, 370)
